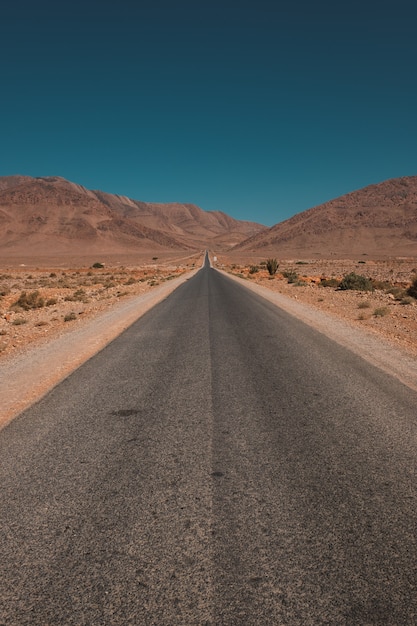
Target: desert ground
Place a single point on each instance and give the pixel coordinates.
(40, 303)
(37, 304)
(387, 311)
(54, 318)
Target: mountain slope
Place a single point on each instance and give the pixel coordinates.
(53, 216)
(185, 221)
(378, 220)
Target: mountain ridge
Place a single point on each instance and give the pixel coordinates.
(377, 220)
(51, 214)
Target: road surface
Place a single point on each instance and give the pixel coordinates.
(220, 463)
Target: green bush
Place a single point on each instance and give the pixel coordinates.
(272, 266)
(253, 269)
(356, 281)
(98, 265)
(291, 276)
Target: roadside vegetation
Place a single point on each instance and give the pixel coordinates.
(272, 266)
(404, 291)
(412, 289)
(356, 281)
(36, 303)
(379, 295)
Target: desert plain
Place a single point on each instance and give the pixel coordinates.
(53, 317)
(58, 299)
(387, 311)
(39, 303)
(55, 231)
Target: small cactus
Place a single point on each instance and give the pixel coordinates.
(272, 266)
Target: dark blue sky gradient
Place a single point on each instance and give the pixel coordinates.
(260, 109)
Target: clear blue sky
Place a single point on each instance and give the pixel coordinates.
(261, 109)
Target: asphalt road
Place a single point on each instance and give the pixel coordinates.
(220, 463)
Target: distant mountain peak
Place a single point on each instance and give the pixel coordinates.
(51, 214)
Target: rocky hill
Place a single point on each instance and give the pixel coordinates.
(54, 217)
(377, 221)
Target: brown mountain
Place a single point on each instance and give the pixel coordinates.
(53, 217)
(379, 221)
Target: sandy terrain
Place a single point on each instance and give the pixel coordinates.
(66, 297)
(81, 310)
(78, 313)
(386, 312)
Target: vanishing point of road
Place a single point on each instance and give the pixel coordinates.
(220, 463)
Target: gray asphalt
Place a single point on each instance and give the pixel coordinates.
(220, 463)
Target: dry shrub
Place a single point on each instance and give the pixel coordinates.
(356, 282)
(412, 290)
(32, 300)
(381, 311)
(19, 321)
